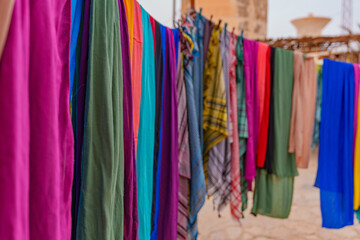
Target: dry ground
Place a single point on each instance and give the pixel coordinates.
(304, 222)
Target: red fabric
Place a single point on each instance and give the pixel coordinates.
(263, 68)
(136, 67)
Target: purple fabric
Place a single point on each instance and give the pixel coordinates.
(36, 139)
(356, 101)
(252, 107)
(81, 103)
(130, 187)
(169, 188)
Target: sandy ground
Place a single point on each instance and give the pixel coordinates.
(304, 222)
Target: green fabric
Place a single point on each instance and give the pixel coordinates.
(102, 186)
(273, 195)
(274, 192)
(242, 120)
(284, 162)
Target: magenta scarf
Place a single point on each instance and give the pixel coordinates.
(252, 107)
(36, 140)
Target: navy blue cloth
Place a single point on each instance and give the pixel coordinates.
(335, 170)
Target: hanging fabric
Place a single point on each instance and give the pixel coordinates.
(169, 183)
(145, 161)
(335, 149)
(215, 110)
(6, 9)
(103, 146)
(273, 192)
(235, 197)
(303, 108)
(252, 107)
(36, 139)
(357, 143)
(219, 166)
(242, 119)
(136, 66)
(263, 68)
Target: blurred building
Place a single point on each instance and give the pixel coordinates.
(247, 15)
(310, 26)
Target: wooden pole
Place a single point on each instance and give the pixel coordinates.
(192, 4)
(174, 13)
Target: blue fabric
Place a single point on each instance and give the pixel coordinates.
(176, 42)
(193, 88)
(146, 138)
(199, 72)
(335, 170)
(76, 8)
(158, 173)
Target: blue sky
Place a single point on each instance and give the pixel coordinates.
(280, 13)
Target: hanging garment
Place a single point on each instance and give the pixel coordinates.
(76, 10)
(145, 161)
(100, 213)
(198, 72)
(235, 197)
(129, 16)
(215, 110)
(270, 139)
(219, 166)
(316, 131)
(252, 107)
(357, 144)
(184, 150)
(303, 108)
(335, 149)
(136, 66)
(6, 10)
(169, 183)
(159, 51)
(242, 118)
(273, 192)
(78, 107)
(156, 206)
(208, 31)
(263, 68)
(36, 140)
(130, 186)
(197, 181)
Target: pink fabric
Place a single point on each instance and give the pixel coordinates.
(303, 108)
(36, 141)
(136, 68)
(235, 197)
(252, 107)
(357, 80)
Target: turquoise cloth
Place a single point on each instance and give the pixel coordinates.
(146, 137)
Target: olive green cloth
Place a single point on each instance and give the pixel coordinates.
(102, 184)
(274, 192)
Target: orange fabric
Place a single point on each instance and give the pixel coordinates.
(303, 109)
(263, 69)
(6, 9)
(129, 8)
(136, 68)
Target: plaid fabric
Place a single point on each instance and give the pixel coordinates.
(242, 119)
(215, 111)
(235, 197)
(197, 182)
(184, 154)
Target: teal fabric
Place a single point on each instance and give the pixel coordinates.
(146, 137)
(101, 209)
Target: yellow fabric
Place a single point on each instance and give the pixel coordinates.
(357, 164)
(129, 7)
(215, 111)
(6, 9)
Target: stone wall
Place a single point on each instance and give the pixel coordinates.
(247, 15)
